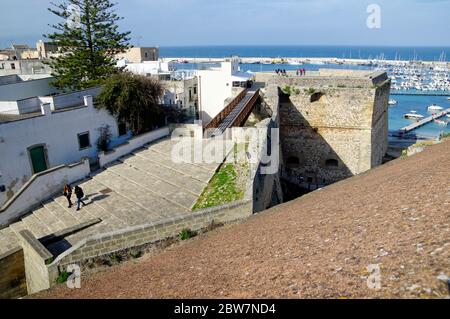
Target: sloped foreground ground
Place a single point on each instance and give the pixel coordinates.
(396, 217)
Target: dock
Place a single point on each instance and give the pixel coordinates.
(420, 93)
(421, 123)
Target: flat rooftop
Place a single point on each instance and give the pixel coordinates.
(326, 78)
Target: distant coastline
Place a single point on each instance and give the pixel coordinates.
(305, 60)
(303, 52)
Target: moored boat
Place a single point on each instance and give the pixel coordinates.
(413, 116)
(435, 107)
(441, 122)
(392, 102)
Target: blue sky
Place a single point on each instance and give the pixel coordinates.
(252, 22)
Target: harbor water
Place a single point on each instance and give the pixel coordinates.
(406, 103)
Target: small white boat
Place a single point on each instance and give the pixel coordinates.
(434, 108)
(392, 102)
(291, 62)
(413, 116)
(441, 122)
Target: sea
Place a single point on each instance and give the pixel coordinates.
(406, 103)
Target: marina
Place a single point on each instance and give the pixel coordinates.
(432, 118)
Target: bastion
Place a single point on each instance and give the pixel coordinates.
(333, 123)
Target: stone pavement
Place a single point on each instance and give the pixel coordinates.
(145, 186)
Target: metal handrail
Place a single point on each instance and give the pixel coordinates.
(226, 111)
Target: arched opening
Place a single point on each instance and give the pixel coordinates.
(331, 162)
(293, 161)
(316, 96)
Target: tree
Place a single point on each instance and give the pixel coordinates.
(132, 99)
(104, 138)
(88, 40)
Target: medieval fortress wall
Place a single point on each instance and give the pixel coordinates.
(333, 124)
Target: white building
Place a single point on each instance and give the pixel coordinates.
(216, 86)
(17, 87)
(182, 94)
(161, 70)
(40, 133)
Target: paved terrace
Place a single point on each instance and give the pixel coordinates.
(143, 187)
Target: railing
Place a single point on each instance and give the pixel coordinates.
(226, 111)
(239, 120)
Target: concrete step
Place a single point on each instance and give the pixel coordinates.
(164, 174)
(67, 218)
(166, 162)
(8, 240)
(166, 149)
(92, 191)
(171, 193)
(17, 227)
(119, 206)
(35, 226)
(82, 215)
(46, 217)
(151, 205)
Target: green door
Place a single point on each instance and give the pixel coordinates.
(37, 155)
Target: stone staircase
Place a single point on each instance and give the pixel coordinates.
(145, 186)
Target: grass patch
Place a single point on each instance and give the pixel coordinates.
(221, 189)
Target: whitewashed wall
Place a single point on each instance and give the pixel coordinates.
(58, 131)
(215, 86)
(131, 145)
(41, 187)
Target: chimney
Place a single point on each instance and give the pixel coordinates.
(89, 101)
(46, 109)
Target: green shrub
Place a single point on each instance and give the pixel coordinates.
(116, 258)
(136, 254)
(186, 234)
(62, 277)
(287, 90)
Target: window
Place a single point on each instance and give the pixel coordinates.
(13, 66)
(83, 140)
(122, 129)
(331, 163)
(146, 54)
(195, 90)
(2, 66)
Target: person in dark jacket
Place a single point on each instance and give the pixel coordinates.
(68, 194)
(79, 194)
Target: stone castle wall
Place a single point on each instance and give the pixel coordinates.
(332, 126)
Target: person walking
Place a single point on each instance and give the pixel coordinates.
(79, 194)
(68, 194)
